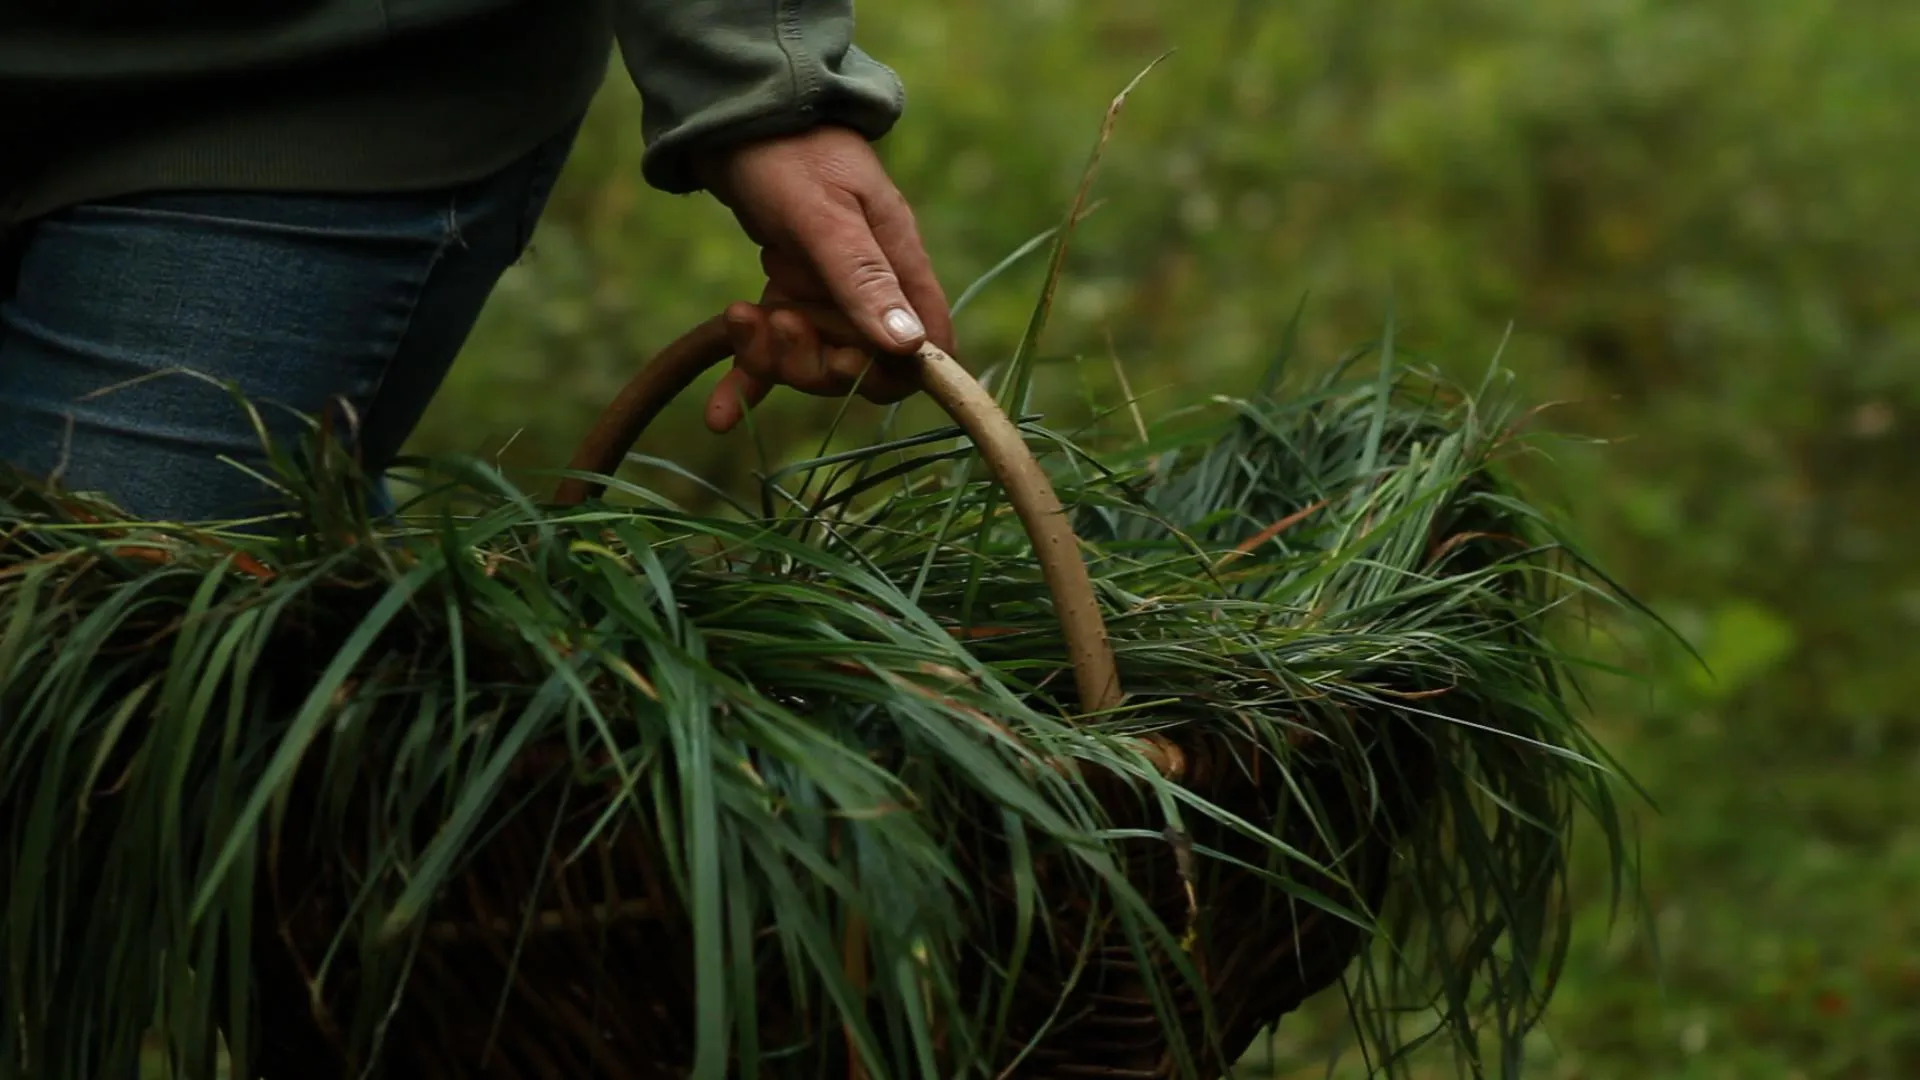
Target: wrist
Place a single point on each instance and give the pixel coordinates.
(712, 166)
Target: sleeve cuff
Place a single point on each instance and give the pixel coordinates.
(718, 73)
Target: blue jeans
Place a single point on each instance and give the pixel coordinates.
(301, 301)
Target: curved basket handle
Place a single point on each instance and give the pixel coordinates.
(971, 407)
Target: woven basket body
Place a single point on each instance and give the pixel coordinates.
(595, 977)
(1259, 951)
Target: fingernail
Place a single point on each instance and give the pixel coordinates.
(902, 324)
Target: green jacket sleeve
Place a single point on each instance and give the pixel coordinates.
(712, 73)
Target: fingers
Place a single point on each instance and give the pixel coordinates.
(741, 388)
(779, 346)
(898, 237)
(800, 359)
(729, 402)
(790, 279)
(850, 262)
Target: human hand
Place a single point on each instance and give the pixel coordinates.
(833, 230)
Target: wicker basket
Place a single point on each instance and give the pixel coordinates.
(602, 981)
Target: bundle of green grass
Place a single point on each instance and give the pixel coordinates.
(507, 788)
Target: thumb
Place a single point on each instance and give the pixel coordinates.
(843, 251)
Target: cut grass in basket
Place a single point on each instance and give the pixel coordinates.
(815, 714)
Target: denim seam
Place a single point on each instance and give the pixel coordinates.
(449, 236)
(540, 172)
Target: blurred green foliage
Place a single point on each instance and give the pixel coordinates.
(1696, 222)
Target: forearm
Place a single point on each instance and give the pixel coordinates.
(715, 73)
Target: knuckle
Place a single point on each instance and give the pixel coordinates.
(886, 200)
(756, 362)
(846, 363)
(806, 378)
(901, 211)
(871, 273)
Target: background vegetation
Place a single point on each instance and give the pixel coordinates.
(1694, 221)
